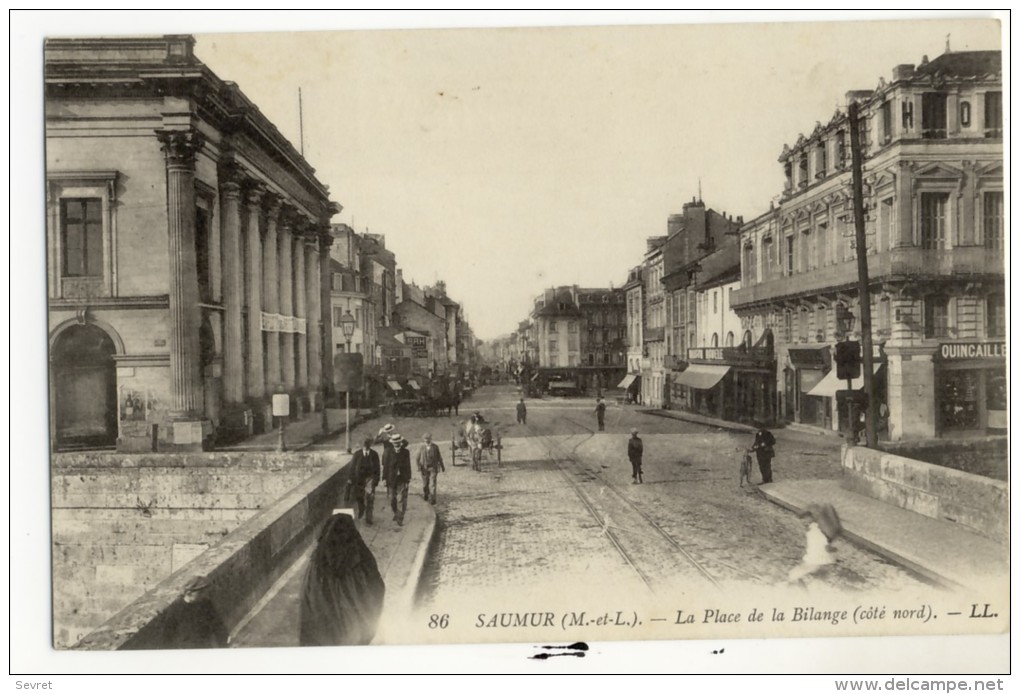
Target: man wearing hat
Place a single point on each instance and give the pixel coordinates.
(365, 469)
(384, 437)
(635, 450)
(399, 478)
(600, 414)
(430, 464)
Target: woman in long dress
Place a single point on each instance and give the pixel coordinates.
(343, 590)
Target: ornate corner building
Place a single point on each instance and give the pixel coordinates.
(188, 252)
(933, 190)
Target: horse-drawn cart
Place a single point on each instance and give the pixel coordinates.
(476, 446)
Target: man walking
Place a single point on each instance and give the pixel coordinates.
(385, 437)
(365, 471)
(600, 414)
(400, 478)
(430, 464)
(635, 450)
(522, 412)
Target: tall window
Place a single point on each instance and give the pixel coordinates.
(933, 220)
(821, 160)
(841, 151)
(81, 222)
(885, 113)
(715, 302)
(907, 115)
(729, 339)
(788, 326)
(995, 312)
(993, 219)
(965, 114)
(789, 255)
(802, 168)
(933, 115)
(993, 114)
(820, 320)
(802, 325)
(715, 339)
(749, 273)
(936, 316)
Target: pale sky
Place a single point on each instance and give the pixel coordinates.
(508, 160)
(505, 161)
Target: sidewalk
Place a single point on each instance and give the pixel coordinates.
(400, 553)
(937, 550)
(302, 432)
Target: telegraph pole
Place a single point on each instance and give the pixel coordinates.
(863, 290)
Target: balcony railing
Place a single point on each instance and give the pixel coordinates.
(899, 262)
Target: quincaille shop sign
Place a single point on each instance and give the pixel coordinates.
(955, 351)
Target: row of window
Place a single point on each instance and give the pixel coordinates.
(934, 126)
(937, 320)
(809, 247)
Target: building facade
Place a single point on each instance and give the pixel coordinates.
(188, 248)
(935, 227)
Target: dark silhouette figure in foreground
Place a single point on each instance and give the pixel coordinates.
(193, 621)
(343, 591)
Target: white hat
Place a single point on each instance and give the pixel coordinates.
(388, 428)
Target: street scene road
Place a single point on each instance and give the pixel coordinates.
(561, 506)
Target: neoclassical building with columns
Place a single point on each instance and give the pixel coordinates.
(187, 245)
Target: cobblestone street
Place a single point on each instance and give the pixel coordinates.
(560, 515)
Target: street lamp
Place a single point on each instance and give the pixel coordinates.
(347, 322)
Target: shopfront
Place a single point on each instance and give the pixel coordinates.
(736, 384)
(970, 388)
(834, 393)
(807, 367)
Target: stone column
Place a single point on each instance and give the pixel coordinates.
(271, 292)
(325, 241)
(287, 301)
(233, 286)
(256, 375)
(300, 294)
(186, 396)
(313, 305)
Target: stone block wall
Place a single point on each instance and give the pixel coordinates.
(123, 523)
(239, 570)
(978, 503)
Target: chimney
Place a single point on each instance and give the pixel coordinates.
(903, 72)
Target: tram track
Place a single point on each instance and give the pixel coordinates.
(625, 523)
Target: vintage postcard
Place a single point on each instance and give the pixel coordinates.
(539, 335)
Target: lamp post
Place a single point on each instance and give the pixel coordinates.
(347, 322)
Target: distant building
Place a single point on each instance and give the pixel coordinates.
(935, 228)
(188, 243)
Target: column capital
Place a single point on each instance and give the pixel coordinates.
(254, 192)
(231, 177)
(273, 203)
(180, 146)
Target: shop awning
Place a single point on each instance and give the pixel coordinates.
(809, 357)
(414, 384)
(702, 376)
(562, 384)
(829, 385)
(627, 380)
(393, 385)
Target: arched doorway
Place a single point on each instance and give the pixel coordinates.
(84, 388)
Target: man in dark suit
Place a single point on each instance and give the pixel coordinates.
(365, 472)
(764, 448)
(522, 412)
(600, 414)
(635, 451)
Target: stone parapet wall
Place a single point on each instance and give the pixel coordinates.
(975, 502)
(240, 569)
(123, 523)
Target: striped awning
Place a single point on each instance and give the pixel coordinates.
(627, 380)
(702, 376)
(830, 385)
